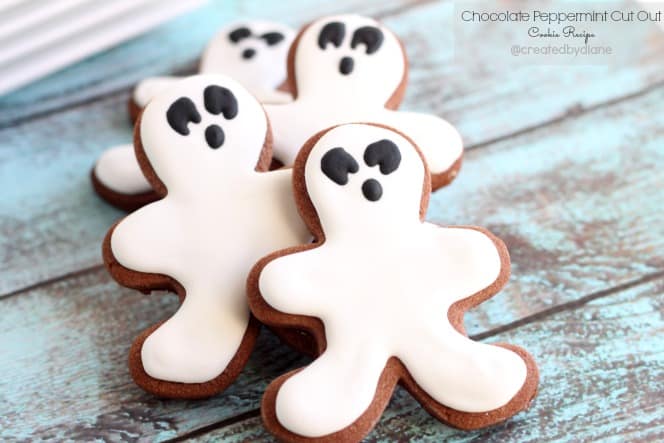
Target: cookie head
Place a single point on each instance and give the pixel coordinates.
(202, 124)
(361, 175)
(349, 55)
(254, 52)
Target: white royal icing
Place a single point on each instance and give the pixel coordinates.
(117, 169)
(261, 74)
(218, 218)
(326, 97)
(150, 87)
(382, 284)
(265, 71)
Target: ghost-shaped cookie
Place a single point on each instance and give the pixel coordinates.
(203, 145)
(252, 52)
(349, 68)
(383, 293)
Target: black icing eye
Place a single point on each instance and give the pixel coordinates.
(370, 36)
(272, 38)
(334, 33)
(219, 100)
(383, 153)
(239, 34)
(336, 164)
(248, 53)
(180, 113)
(372, 190)
(214, 136)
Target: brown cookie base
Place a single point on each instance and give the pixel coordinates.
(126, 202)
(133, 110)
(300, 340)
(445, 178)
(394, 372)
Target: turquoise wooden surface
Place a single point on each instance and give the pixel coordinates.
(565, 165)
(472, 95)
(602, 380)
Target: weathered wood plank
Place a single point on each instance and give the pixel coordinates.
(577, 210)
(68, 221)
(602, 378)
(65, 346)
(575, 203)
(487, 96)
(172, 47)
(408, 23)
(64, 365)
(553, 185)
(469, 84)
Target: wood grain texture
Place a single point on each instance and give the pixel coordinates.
(568, 174)
(577, 211)
(54, 230)
(574, 205)
(171, 48)
(478, 87)
(65, 346)
(64, 365)
(602, 378)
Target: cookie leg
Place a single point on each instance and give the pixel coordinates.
(329, 395)
(466, 383)
(198, 342)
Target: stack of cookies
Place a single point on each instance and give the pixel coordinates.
(282, 187)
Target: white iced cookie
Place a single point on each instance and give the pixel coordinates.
(252, 52)
(350, 68)
(202, 140)
(118, 169)
(389, 291)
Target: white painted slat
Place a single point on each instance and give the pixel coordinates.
(100, 36)
(23, 17)
(73, 22)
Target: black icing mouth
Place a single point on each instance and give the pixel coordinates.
(248, 54)
(372, 190)
(214, 136)
(346, 65)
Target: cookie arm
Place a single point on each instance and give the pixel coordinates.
(471, 261)
(274, 97)
(146, 89)
(288, 284)
(118, 170)
(439, 141)
(142, 241)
